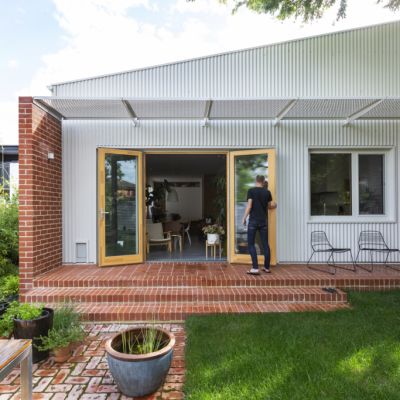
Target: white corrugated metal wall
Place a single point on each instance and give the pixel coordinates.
(362, 62)
(292, 141)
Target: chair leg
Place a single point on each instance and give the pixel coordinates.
(316, 268)
(189, 238)
(360, 265)
(308, 262)
(352, 261)
(333, 265)
(390, 265)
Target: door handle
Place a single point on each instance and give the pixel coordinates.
(103, 213)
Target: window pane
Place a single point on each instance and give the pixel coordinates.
(247, 167)
(370, 173)
(121, 204)
(330, 184)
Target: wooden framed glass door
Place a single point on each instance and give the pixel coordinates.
(244, 166)
(120, 207)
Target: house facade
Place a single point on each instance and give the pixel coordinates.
(318, 116)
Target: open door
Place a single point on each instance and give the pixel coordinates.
(120, 207)
(244, 166)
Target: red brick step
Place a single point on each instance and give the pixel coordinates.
(179, 312)
(186, 295)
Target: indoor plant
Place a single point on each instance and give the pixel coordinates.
(28, 321)
(139, 359)
(213, 233)
(66, 331)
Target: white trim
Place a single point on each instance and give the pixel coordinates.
(389, 183)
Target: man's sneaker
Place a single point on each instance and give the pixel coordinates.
(267, 270)
(254, 271)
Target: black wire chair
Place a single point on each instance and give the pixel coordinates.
(321, 244)
(374, 242)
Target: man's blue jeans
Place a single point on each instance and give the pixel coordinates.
(252, 229)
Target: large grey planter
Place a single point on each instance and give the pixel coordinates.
(139, 375)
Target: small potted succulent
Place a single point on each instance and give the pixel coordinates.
(139, 359)
(28, 321)
(66, 331)
(214, 233)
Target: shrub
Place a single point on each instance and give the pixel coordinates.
(66, 329)
(8, 231)
(9, 286)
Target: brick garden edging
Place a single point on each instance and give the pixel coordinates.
(85, 375)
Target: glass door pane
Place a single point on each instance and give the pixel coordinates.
(245, 166)
(120, 206)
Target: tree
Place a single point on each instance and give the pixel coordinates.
(306, 9)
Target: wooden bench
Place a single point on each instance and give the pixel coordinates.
(12, 353)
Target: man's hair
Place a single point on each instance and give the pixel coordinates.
(260, 179)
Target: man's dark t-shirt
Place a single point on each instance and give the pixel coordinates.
(261, 197)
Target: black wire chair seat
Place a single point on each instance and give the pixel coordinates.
(374, 242)
(321, 244)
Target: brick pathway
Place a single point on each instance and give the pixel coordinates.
(85, 375)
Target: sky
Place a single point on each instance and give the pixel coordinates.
(49, 41)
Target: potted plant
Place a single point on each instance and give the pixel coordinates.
(213, 233)
(28, 321)
(139, 359)
(66, 331)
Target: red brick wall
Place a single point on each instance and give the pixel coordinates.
(40, 206)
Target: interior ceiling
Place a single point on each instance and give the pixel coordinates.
(184, 164)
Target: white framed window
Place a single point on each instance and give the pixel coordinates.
(351, 185)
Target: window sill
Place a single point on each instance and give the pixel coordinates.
(352, 220)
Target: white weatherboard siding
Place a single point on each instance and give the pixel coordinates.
(355, 63)
(291, 140)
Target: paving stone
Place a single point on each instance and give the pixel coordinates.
(86, 376)
(59, 388)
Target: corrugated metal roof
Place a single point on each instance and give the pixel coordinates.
(231, 52)
(347, 109)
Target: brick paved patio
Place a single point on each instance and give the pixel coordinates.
(85, 375)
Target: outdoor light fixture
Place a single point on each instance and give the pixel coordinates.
(50, 156)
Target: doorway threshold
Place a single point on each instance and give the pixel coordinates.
(188, 261)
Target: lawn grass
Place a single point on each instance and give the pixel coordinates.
(346, 354)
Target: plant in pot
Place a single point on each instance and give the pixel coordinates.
(66, 331)
(214, 233)
(139, 359)
(28, 321)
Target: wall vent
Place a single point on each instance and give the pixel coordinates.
(81, 252)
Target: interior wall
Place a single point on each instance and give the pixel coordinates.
(190, 199)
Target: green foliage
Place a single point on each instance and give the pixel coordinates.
(308, 10)
(24, 311)
(214, 229)
(346, 354)
(8, 232)
(148, 340)
(9, 286)
(66, 329)
(220, 198)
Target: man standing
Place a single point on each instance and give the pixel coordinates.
(259, 200)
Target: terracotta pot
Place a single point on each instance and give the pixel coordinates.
(138, 375)
(62, 354)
